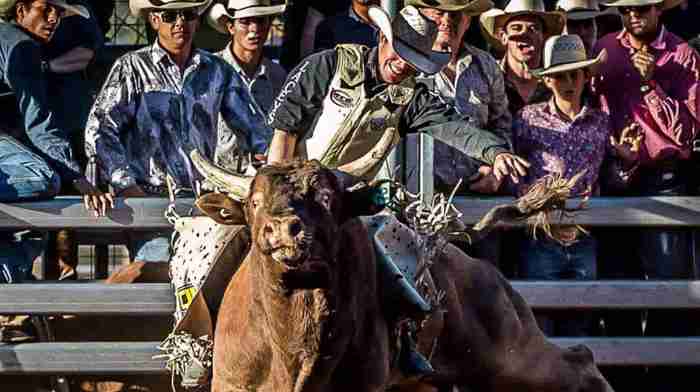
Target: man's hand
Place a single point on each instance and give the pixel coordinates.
(507, 164)
(645, 63)
(628, 144)
(487, 182)
(132, 191)
(94, 199)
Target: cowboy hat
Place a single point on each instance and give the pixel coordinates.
(140, 7)
(582, 9)
(493, 20)
(71, 9)
(665, 4)
(471, 7)
(563, 53)
(412, 36)
(216, 17)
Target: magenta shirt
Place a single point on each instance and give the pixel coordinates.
(668, 114)
(553, 143)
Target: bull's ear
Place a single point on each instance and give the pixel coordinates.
(222, 209)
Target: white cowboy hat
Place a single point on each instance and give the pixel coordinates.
(140, 7)
(583, 9)
(665, 4)
(564, 53)
(71, 9)
(236, 9)
(471, 7)
(412, 36)
(493, 20)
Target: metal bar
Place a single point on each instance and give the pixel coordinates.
(102, 358)
(157, 299)
(425, 154)
(639, 351)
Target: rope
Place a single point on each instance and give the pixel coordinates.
(182, 350)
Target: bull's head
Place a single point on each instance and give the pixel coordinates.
(293, 211)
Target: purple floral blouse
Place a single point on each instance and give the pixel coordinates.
(552, 143)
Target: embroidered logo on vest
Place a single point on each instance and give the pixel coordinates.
(341, 98)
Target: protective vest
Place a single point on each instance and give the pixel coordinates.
(351, 123)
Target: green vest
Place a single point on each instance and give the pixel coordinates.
(351, 124)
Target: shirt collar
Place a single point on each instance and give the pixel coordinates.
(554, 110)
(158, 54)
(659, 43)
(231, 59)
(354, 16)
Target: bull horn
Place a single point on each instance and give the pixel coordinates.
(236, 186)
(362, 166)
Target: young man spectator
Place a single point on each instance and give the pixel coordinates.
(248, 23)
(521, 29)
(35, 145)
(564, 136)
(350, 27)
(161, 101)
(581, 19)
(650, 85)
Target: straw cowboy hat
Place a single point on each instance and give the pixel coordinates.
(665, 4)
(493, 20)
(582, 9)
(236, 9)
(71, 9)
(471, 7)
(411, 35)
(563, 53)
(140, 7)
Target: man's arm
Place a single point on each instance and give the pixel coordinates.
(500, 118)
(74, 60)
(282, 147)
(29, 84)
(113, 110)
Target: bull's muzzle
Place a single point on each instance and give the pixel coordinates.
(287, 239)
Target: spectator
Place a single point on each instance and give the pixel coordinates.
(349, 27)
(563, 136)
(39, 155)
(472, 82)
(650, 86)
(521, 29)
(157, 104)
(248, 23)
(581, 19)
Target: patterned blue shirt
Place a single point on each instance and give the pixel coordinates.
(149, 115)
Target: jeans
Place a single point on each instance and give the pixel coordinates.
(544, 259)
(23, 174)
(150, 247)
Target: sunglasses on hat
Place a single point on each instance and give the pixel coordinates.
(641, 9)
(170, 16)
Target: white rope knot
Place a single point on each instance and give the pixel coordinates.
(182, 350)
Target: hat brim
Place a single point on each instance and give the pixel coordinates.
(491, 20)
(472, 8)
(580, 14)
(140, 7)
(71, 9)
(429, 64)
(665, 4)
(541, 72)
(218, 14)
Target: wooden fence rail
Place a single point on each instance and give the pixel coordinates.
(156, 299)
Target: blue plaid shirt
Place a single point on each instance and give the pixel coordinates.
(149, 115)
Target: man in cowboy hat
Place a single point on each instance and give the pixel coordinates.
(521, 29)
(160, 101)
(348, 107)
(581, 19)
(248, 23)
(352, 26)
(651, 84)
(27, 117)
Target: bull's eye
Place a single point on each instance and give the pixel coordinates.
(324, 198)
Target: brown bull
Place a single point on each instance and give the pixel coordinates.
(303, 312)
